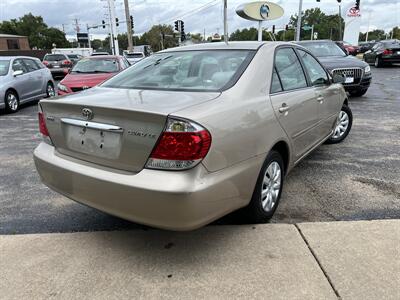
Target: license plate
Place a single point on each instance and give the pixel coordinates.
(94, 142)
(56, 66)
(349, 80)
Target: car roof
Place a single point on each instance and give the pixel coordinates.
(14, 57)
(248, 45)
(102, 56)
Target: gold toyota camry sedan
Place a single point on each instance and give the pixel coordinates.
(193, 133)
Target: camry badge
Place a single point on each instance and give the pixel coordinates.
(87, 113)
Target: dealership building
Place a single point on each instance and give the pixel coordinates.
(13, 42)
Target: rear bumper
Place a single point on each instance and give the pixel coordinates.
(183, 200)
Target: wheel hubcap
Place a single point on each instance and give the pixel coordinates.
(12, 102)
(271, 186)
(50, 91)
(342, 125)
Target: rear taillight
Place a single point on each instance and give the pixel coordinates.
(182, 145)
(45, 62)
(43, 128)
(387, 52)
(42, 125)
(67, 62)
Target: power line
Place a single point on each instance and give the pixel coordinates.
(193, 11)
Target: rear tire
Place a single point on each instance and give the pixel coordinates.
(12, 102)
(343, 126)
(50, 91)
(358, 93)
(267, 191)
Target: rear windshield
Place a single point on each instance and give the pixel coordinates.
(54, 57)
(392, 44)
(4, 66)
(210, 70)
(72, 56)
(324, 49)
(98, 65)
(135, 55)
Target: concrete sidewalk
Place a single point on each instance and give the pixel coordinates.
(348, 260)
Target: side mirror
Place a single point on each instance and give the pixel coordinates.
(338, 78)
(17, 73)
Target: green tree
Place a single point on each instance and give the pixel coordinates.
(374, 35)
(153, 37)
(396, 32)
(39, 34)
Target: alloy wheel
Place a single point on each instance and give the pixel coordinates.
(50, 90)
(12, 102)
(342, 125)
(271, 186)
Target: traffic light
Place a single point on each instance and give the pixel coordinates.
(132, 26)
(176, 25)
(273, 28)
(339, 1)
(104, 23)
(116, 22)
(182, 26)
(287, 27)
(358, 4)
(183, 36)
(318, 0)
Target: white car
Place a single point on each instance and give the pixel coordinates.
(134, 57)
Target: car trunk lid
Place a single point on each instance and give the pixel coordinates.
(113, 127)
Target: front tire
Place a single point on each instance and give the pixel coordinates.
(267, 191)
(358, 93)
(378, 62)
(12, 102)
(343, 126)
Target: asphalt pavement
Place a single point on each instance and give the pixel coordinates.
(358, 179)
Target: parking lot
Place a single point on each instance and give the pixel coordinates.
(355, 180)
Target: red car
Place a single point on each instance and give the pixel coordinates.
(348, 48)
(91, 71)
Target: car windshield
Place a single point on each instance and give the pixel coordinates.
(98, 65)
(54, 57)
(4, 66)
(324, 49)
(208, 70)
(134, 55)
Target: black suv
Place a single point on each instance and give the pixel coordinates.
(357, 73)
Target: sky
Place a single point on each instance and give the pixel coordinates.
(199, 16)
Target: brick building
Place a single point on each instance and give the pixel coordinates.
(13, 42)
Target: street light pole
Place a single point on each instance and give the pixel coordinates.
(340, 21)
(298, 29)
(113, 26)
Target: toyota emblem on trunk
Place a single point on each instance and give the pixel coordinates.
(87, 113)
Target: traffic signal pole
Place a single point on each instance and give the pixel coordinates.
(128, 26)
(113, 26)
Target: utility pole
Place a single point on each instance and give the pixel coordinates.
(225, 21)
(312, 32)
(340, 21)
(369, 19)
(113, 26)
(88, 34)
(128, 26)
(298, 28)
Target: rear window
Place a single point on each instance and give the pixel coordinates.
(209, 70)
(135, 55)
(54, 57)
(392, 44)
(99, 65)
(4, 67)
(72, 56)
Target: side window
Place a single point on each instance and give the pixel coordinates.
(276, 86)
(17, 66)
(30, 65)
(314, 69)
(289, 69)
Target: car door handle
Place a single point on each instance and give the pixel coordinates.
(284, 108)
